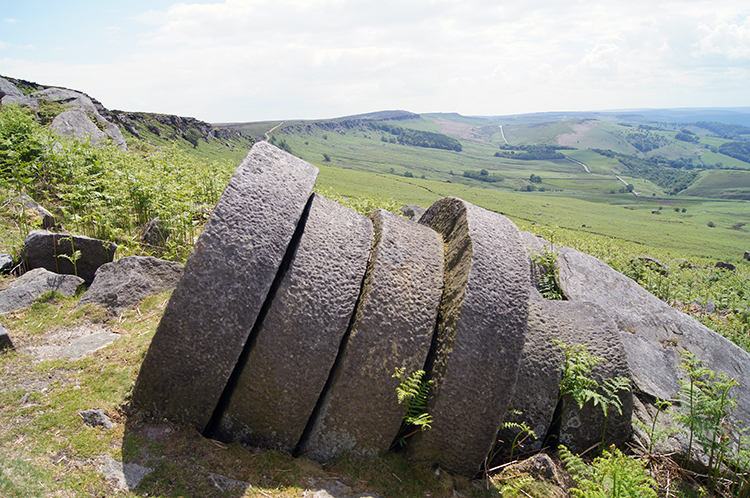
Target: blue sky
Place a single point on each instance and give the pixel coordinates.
(253, 60)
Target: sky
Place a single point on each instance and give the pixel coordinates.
(257, 60)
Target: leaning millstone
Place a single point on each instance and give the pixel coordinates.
(5, 342)
(475, 357)
(298, 341)
(55, 252)
(538, 384)
(394, 325)
(23, 291)
(589, 324)
(224, 285)
(125, 282)
(652, 332)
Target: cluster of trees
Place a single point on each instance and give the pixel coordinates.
(673, 175)
(644, 140)
(723, 130)
(686, 136)
(535, 178)
(532, 152)
(737, 150)
(417, 138)
(484, 176)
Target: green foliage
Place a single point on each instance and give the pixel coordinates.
(707, 407)
(412, 393)
(612, 475)
(546, 261)
(484, 176)
(418, 138)
(326, 158)
(523, 432)
(105, 192)
(531, 152)
(576, 381)
(737, 150)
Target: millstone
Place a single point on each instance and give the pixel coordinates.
(476, 354)
(298, 342)
(394, 325)
(224, 285)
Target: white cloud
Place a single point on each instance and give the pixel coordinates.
(11, 20)
(266, 59)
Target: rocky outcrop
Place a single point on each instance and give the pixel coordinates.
(67, 254)
(35, 214)
(125, 282)
(82, 119)
(5, 341)
(225, 284)
(23, 291)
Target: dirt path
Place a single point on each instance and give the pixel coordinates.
(271, 130)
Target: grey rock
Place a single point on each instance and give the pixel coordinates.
(23, 291)
(725, 266)
(225, 283)
(481, 327)
(76, 123)
(538, 377)
(540, 467)
(225, 484)
(43, 249)
(746, 256)
(125, 476)
(297, 344)
(589, 324)
(96, 418)
(6, 263)
(125, 282)
(413, 212)
(45, 219)
(87, 344)
(652, 332)
(394, 325)
(8, 88)
(5, 342)
(22, 101)
(153, 233)
(537, 391)
(82, 103)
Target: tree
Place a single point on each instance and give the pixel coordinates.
(326, 158)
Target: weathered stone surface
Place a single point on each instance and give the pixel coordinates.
(225, 283)
(413, 212)
(725, 266)
(96, 418)
(43, 249)
(81, 105)
(394, 325)
(746, 256)
(6, 263)
(589, 324)
(24, 290)
(8, 88)
(538, 376)
(5, 342)
(35, 214)
(76, 123)
(297, 344)
(153, 233)
(126, 476)
(22, 101)
(481, 328)
(652, 332)
(125, 282)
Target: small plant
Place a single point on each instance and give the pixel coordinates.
(524, 432)
(612, 475)
(73, 258)
(412, 393)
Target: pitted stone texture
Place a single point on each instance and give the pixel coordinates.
(652, 332)
(589, 324)
(538, 377)
(482, 323)
(224, 285)
(23, 291)
(43, 249)
(394, 326)
(125, 282)
(298, 342)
